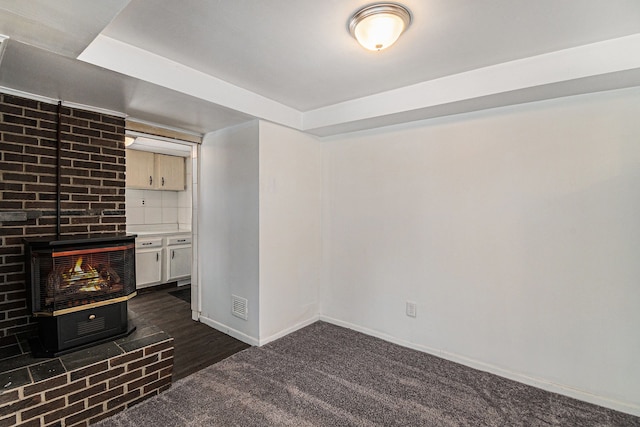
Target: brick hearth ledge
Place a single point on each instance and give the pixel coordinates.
(83, 387)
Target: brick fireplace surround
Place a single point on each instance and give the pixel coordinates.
(87, 385)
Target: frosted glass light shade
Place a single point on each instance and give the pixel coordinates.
(378, 26)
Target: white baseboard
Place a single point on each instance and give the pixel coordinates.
(625, 407)
(251, 340)
(287, 331)
(230, 331)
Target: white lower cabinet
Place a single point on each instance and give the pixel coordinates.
(148, 262)
(178, 262)
(163, 259)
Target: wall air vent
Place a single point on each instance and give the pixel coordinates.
(239, 307)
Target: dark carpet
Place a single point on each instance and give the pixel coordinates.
(324, 375)
(184, 294)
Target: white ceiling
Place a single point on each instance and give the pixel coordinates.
(62, 26)
(202, 66)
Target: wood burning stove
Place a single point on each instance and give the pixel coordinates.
(78, 290)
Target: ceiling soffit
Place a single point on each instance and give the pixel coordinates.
(573, 67)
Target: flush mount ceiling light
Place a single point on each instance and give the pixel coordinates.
(379, 25)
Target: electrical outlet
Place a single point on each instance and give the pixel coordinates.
(411, 309)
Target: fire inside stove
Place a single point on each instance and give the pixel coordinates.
(74, 278)
(89, 278)
(83, 278)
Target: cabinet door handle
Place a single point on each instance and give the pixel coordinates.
(173, 254)
(163, 181)
(150, 180)
(147, 244)
(157, 257)
(182, 240)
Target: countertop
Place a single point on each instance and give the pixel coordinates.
(159, 233)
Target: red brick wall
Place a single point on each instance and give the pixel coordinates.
(93, 183)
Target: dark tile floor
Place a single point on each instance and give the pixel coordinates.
(196, 344)
(156, 313)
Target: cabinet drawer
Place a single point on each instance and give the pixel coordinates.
(179, 240)
(155, 242)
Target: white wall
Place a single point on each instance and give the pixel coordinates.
(260, 229)
(515, 230)
(290, 229)
(228, 218)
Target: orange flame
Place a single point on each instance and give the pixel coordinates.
(78, 267)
